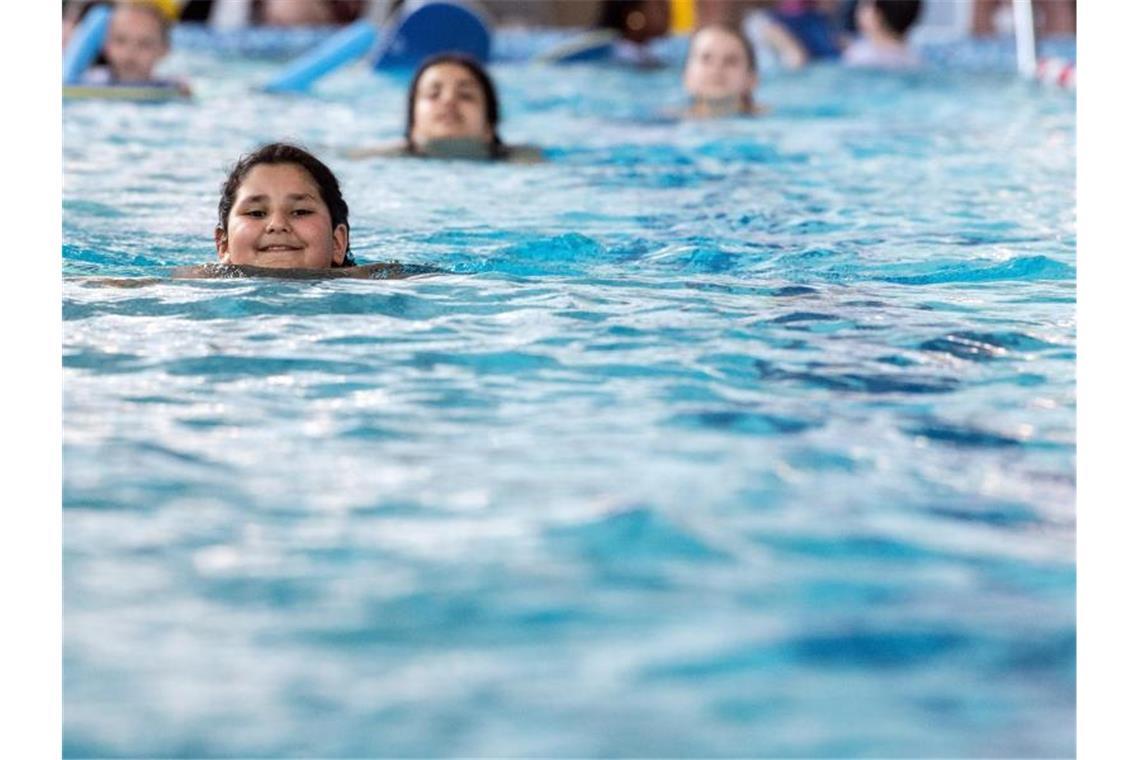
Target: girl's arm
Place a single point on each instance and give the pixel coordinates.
(788, 48)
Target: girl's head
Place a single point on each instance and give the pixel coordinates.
(638, 21)
(306, 12)
(721, 64)
(293, 13)
(282, 207)
(137, 39)
(452, 98)
(889, 18)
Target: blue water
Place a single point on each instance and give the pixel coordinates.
(747, 438)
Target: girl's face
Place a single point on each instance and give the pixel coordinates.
(296, 13)
(134, 44)
(279, 220)
(449, 104)
(718, 66)
(867, 19)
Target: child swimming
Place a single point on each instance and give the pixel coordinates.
(282, 214)
(720, 73)
(883, 28)
(453, 112)
(636, 23)
(622, 34)
(138, 37)
(281, 207)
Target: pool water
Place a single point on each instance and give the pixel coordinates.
(740, 438)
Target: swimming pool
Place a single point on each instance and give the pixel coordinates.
(742, 438)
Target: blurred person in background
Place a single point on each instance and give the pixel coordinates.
(635, 23)
(230, 14)
(1052, 18)
(137, 39)
(453, 113)
(797, 31)
(307, 12)
(883, 27)
(720, 73)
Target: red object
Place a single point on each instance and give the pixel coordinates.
(1058, 72)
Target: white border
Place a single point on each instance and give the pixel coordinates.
(1107, 423)
(31, 554)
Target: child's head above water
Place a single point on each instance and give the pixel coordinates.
(137, 39)
(890, 19)
(281, 207)
(721, 68)
(451, 100)
(639, 21)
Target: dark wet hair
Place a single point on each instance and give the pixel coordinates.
(284, 153)
(612, 13)
(749, 50)
(899, 15)
(615, 14)
(490, 97)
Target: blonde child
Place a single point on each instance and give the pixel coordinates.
(138, 37)
(721, 73)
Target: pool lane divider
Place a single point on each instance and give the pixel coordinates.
(420, 30)
(85, 43)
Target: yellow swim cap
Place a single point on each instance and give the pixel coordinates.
(168, 8)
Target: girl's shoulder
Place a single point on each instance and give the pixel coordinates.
(523, 154)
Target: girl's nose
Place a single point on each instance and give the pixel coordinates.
(277, 222)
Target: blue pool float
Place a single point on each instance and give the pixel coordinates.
(594, 45)
(347, 45)
(430, 28)
(419, 31)
(85, 43)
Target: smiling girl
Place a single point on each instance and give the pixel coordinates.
(282, 214)
(281, 207)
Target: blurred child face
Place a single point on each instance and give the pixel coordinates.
(718, 66)
(279, 220)
(449, 104)
(296, 13)
(867, 19)
(134, 44)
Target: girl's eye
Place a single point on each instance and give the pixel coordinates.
(302, 211)
(256, 213)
